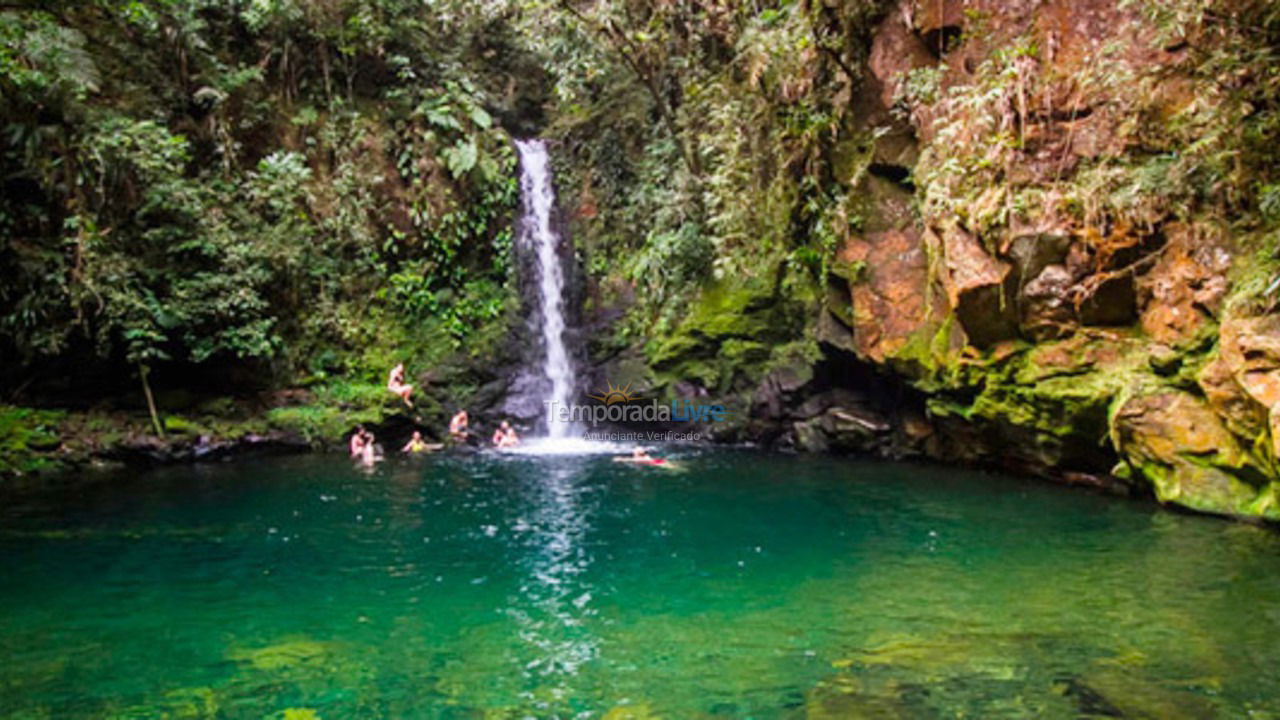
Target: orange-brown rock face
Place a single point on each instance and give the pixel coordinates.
(975, 284)
(1047, 233)
(892, 303)
(1183, 292)
(1183, 447)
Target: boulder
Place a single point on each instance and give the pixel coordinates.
(1244, 381)
(776, 390)
(976, 285)
(891, 302)
(1184, 290)
(1033, 251)
(1243, 415)
(1183, 448)
(1047, 309)
(810, 436)
(1125, 693)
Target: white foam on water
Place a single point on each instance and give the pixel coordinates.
(566, 446)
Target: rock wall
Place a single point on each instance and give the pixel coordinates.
(1065, 297)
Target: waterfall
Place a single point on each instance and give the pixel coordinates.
(537, 234)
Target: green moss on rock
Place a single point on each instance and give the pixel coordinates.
(27, 439)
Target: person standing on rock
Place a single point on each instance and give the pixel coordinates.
(397, 385)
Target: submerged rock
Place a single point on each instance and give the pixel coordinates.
(639, 711)
(1133, 696)
(283, 656)
(845, 698)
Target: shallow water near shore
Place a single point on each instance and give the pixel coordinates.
(745, 585)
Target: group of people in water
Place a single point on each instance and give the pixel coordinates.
(459, 432)
(364, 447)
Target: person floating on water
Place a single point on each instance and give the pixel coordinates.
(416, 444)
(458, 427)
(640, 456)
(505, 436)
(397, 385)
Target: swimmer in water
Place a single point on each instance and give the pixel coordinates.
(416, 444)
(369, 452)
(357, 441)
(641, 456)
(505, 436)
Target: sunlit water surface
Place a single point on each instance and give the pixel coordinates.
(525, 586)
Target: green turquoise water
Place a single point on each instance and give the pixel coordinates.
(745, 586)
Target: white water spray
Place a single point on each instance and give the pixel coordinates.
(536, 232)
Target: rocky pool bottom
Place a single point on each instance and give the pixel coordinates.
(744, 585)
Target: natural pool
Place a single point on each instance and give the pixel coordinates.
(747, 586)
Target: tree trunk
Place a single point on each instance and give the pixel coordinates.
(143, 371)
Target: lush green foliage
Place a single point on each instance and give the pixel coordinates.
(321, 189)
(207, 184)
(706, 134)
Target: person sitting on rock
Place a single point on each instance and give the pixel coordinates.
(415, 445)
(458, 427)
(397, 385)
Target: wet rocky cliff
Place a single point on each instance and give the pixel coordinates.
(1057, 267)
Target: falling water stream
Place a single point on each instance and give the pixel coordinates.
(537, 233)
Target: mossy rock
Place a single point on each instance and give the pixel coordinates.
(178, 425)
(199, 703)
(218, 407)
(724, 342)
(1134, 696)
(1174, 441)
(26, 434)
(744, 311)
(846, 698)
(744, 352)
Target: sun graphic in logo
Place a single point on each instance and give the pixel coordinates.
(613, 395)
